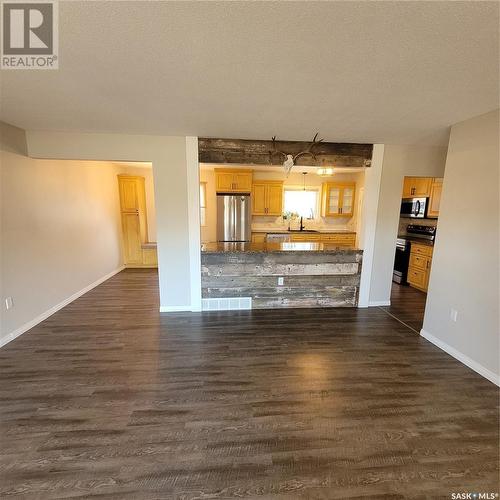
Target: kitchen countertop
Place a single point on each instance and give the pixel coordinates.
(416, 239)
(314, 231)
(273, 247)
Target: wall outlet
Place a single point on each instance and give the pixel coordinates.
(281, 281)
(9, 303)
(453, 315)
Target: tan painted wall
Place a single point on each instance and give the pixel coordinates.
(60, 232)
(465, 263)
(399, 161)
(175, 184)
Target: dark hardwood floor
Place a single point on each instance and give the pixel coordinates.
(408, 306)
(107, 398)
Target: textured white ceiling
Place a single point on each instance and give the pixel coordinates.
(393, 72)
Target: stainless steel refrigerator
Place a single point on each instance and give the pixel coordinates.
(234, 217)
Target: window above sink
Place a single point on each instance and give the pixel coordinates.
(302, 202)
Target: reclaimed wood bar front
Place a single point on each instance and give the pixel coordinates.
(277, 275)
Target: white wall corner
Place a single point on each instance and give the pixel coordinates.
(473, 365)
(193, 193)
(373, 176)
(5, 339)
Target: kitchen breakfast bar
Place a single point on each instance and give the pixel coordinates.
(279, 274)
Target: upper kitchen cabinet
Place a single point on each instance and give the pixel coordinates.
(435, 197)
(267, 198)
(417, 187)
(338, 199)
(233, 181)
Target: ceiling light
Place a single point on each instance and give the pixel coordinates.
(324, 172)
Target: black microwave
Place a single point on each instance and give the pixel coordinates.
(415, 208)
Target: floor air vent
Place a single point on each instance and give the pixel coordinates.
(226, 304)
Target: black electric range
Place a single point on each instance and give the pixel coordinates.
(414, 232)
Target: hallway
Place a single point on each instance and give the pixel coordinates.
(407, 306)
(108, 397)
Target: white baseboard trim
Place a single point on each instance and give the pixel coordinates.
(378, 303)
(35, 321)
(169, 309)
(473, 365)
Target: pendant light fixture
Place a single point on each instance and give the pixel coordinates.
(325, 172)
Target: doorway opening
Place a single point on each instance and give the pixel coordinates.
(419, 215)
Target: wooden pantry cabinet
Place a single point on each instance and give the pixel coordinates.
(267, 198)
(134, 223)
(337, 199)
(233, 181)
(419, 268)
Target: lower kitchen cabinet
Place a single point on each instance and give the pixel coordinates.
(259, 237)
(419, 268)
(342, 239)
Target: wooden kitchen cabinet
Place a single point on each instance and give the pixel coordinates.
(347, 239)
(337, 199)
(417, 187)
(233, 181)
(132, 245)
(435, 197)
(419, 268)
(134, 222)
(259, 237)
(339, 238)
(129, 187)
(306, 237)
(267, 198)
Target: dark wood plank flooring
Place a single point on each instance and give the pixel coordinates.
(407, 305)
(107, 398)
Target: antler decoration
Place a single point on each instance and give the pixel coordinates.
(289, 161)
(309, 150)
(275, 151)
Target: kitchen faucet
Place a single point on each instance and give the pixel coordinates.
(302, 227)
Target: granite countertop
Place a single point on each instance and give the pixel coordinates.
(420, 241)
(269, 247)
(314, 231)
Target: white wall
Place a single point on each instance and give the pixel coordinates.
(398, 162)
(60, 232)
(172, 162)
(465, 262)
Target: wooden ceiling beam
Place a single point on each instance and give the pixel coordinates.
(254, 152)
